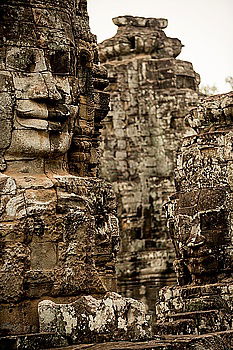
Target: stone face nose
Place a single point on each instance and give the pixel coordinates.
(45, 91)
(43, 86)
(38, 90)
(53, 92)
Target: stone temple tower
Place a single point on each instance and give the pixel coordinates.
(151, 92)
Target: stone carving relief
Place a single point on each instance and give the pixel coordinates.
(200, 223)
(199, 215)
(139, 35)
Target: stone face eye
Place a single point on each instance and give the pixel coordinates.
(22, 60)
(84, 59)
(30, 63)
(132, 42)
(60, 62)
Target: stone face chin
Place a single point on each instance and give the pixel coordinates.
(38, 143)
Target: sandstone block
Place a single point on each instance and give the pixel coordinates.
(88, 319)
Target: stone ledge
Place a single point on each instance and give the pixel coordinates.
(35, 341)
(213, 341)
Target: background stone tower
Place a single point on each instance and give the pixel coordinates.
(151, 92)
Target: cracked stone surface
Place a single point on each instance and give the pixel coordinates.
(151, 93)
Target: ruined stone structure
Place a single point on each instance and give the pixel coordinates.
(151, 92)
(59, 231)
(200, 223)
(196, 314)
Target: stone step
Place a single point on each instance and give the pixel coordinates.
(207, 321)
(196, 322)
(35, 341)
(176, 327)
(214, 341)
(206, 302)
(195, 298)
(211, 341)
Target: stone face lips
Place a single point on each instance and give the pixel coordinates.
(95, 320)
(58, 231)
(151, 93)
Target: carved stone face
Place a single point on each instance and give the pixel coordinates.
(43, 79)
(43, 112)
(200, 213)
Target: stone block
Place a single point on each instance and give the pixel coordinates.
(88, 319)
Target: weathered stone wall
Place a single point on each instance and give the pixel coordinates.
(200, 223)
(151, 92)
(59, 231)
